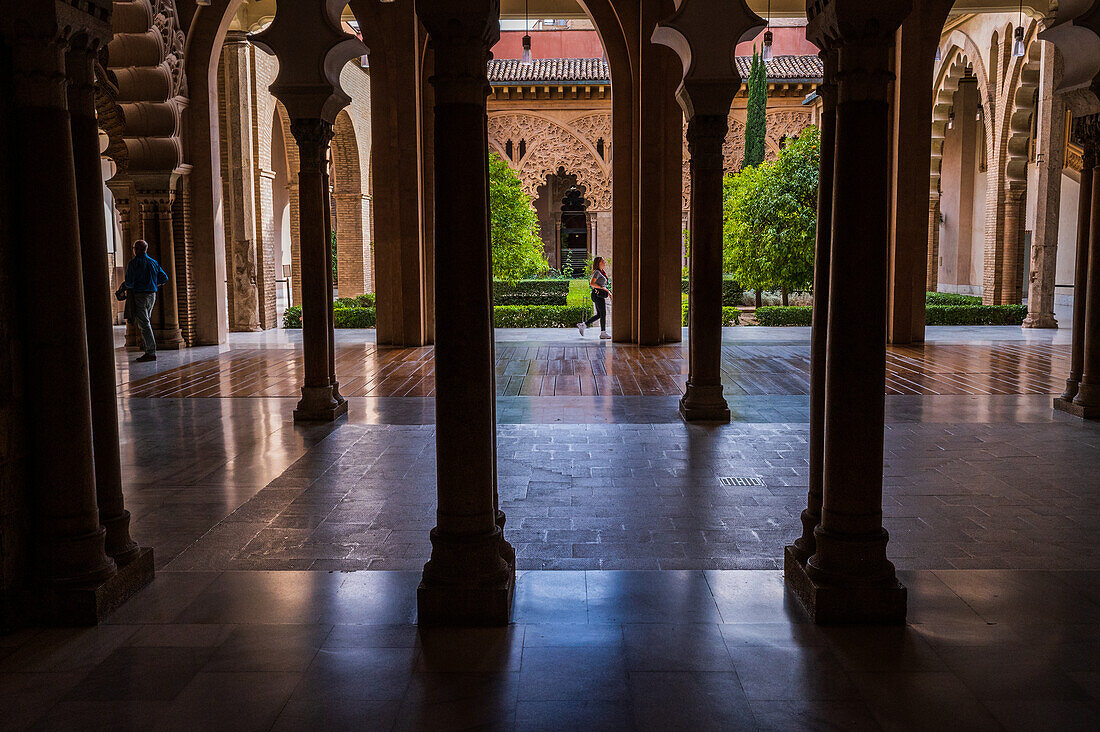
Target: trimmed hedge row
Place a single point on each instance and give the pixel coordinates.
(342, 317)
(539, 316)
(530, 292)
(732, 292)
(950, 299)
(730, 316)
(934, 315)
(975, 314)
(361, 301)
(773, 315)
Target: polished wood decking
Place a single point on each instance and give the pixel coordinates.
(615, 370)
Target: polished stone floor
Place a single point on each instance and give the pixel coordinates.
(664, 609)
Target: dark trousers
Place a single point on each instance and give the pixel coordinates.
(601, 312)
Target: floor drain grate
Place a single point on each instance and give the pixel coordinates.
(740, 480)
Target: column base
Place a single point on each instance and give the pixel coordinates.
(469, 581)
(168, 339)
(834, 605)
(318, 405)
(59, 605)
(1040, 320)
(1080, 411)
(704, 404)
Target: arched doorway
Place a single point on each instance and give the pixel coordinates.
(573, 241)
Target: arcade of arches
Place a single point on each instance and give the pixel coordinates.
(435, 524)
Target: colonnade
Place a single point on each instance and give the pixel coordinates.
(71, 558)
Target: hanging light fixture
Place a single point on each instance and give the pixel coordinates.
(766, 55)
(1018, 45)
(526, 60)
(951, 120)
(939, 54)
(980, 113)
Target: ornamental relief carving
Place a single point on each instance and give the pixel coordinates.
(173, 42)
(548, 145)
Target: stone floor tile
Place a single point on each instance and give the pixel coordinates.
(550, 716)
(689, 700)
(840, 716)
(791, 673)
(573, 673)
(688, 647)
(231, 701)
(922, 700)
(459, 701)
(650, 597)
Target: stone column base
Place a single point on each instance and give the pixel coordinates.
(466, 605)
(1077, 410)
(168, 339)
(89, 605)
(831, 605)
(1040, 320)
(704, 404)
(318, 405)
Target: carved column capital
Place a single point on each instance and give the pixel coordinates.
(313, 137)
(1086, 133)
(462, 34)
(706, 134)
(828, 89)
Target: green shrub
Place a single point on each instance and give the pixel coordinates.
(731, 291)
(539, 316)
(292, 317)
(730, 316)
(784, 316)
(530, 292)
(950, 299)
(353, 317)
(975, 314)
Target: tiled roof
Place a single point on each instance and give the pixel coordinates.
(594, 70)
(511, 71)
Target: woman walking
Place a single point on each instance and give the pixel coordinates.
(601, 294)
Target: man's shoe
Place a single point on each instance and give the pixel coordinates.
(604, 335)
(146, 358)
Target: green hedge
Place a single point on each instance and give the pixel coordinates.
(530, 292)
(732, 292)
(783, 316)
(730, 316)
(540, 316)
(975, 314)
(342, 317)
(292, 317)
(362, 301)
(950, 299)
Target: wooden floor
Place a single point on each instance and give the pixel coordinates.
(615, 370)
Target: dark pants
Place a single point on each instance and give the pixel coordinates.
(143, 309)
(601, 312)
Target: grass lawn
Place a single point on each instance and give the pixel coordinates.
(578, 293)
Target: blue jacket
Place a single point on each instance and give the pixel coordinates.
(143, 274)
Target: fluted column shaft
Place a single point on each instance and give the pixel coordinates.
(70, 540)
(850, 542)
(470, 576)
(319, 401)
(98, 310)
(804, 546)
(703, 400)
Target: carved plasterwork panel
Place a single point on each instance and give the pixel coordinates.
(549, 144)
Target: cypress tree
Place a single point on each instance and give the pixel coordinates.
(756, 124)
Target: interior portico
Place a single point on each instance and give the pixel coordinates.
(870, 522)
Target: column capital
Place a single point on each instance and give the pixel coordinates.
(840, 23)
(313, 136)
(1086, 133)
(863, 73)
(827, 89)
(462, 33)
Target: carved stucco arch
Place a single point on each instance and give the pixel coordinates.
(1020, 86)
(962, 53)
(554, 143)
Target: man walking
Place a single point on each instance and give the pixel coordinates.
(143, 278)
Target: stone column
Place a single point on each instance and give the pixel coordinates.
(69, 551)
(1051, 116)
(849, 579)
(469, 579)
(98, 310)
(327, 188)
(1080, 276)
(1087, 402)
(933, 242)
(803, 547)
(241, 260)
(320, 401)
(703, 400)
(155, 201)
(1015, 217)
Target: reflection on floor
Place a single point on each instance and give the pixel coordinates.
(665, 610)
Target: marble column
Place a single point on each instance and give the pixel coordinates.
(155, 200)
(849, 579)
(69, 551)
(470, 577)
(327, 188)
(320, 401)
(1051, 117)
(803, 547)
(1080, 277)
(1087, 402)
(703, 400)
(98, 308)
